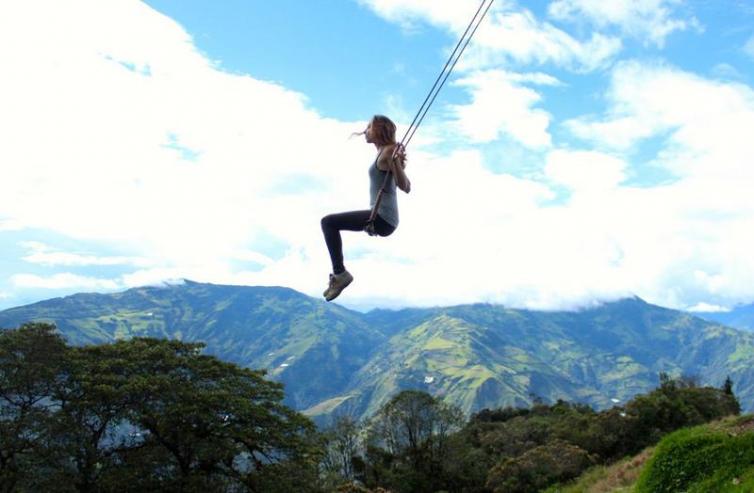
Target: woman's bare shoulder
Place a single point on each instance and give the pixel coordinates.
(386, 155)
(383, 160)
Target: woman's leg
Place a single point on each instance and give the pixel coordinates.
(332, 225)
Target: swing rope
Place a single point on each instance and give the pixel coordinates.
(450, 64)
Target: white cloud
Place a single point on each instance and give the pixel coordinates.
(520, 37)
(683, 243)
(10, 225)
(706, 307)
(159, 276)
(585, 170)
(63, 281)
(252, 256)
(619, 132)
(95, 118)
(500, 105)
(45, 255)
(701, 118)
(456, 14)
(648, 20)
(727, 71)
(508, 33)
(106, 171)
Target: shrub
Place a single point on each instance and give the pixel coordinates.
(539, 467)
(691, 459)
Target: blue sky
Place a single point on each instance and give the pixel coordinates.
(582, 151)
(328, 50)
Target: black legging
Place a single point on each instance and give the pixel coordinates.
(349, 221)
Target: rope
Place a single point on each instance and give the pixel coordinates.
(465, 40)
(450, 64)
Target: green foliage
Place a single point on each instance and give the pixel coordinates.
(521, 450)
(342, 446)
(676, 404)
(619, 477)
(513, 432)
(409, 442)
(32, 365)
(539, 467)
(728, 386)
(519, 446)
(143, 415)
(699, 459)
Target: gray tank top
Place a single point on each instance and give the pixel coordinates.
(389, 204)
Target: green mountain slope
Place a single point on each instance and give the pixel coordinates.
(488, 356)
(334, 360)
(312, 347)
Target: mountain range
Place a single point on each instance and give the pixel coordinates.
(333, 360)
(740, 317)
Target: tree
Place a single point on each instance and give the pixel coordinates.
(728, 386)
(539, 467)
(210, 423)
(32, 360)
(414, 428)
(342, 447)
(414, 422)
(143, 415)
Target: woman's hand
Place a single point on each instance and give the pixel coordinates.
(399, 154)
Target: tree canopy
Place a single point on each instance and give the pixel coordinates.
(143, 415)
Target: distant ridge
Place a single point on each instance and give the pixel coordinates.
(333, 360)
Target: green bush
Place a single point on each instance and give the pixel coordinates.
(538, 468)
(698, 459)
(723, 482)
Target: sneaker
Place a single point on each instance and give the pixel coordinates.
(338, 283)
(329, 285)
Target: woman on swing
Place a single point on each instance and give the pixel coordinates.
(391, 158)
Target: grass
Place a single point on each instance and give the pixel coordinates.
(617, 478)
(326, 407)
(717, 457)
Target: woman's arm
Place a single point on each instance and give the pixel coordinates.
(394, 160)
